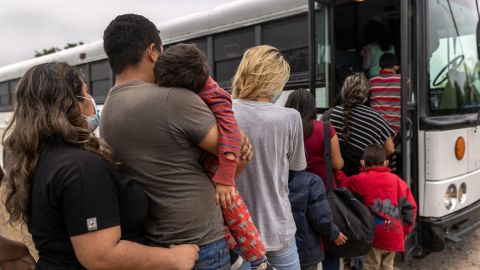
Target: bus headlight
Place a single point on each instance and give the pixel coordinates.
(462, 193)
(451, 197)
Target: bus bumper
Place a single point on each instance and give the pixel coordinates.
(436, 231)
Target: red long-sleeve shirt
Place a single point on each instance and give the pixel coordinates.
(219, 168)
(390, 201)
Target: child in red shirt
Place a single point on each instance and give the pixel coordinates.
(390, 201)
(184, 65)
(385, 91)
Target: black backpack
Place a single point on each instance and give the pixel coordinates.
(350, 215)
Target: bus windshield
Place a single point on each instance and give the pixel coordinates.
(453, 63)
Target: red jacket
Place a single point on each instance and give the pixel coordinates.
(390, 201)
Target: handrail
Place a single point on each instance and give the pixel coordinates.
(448, 122)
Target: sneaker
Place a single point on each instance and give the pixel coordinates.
(263, 266)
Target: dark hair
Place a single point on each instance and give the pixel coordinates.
(354, 92)
(182, 65)
(46, 107)
(126, 38)
(304, 102)
(374, 155)
(388, 60)
(376, 32)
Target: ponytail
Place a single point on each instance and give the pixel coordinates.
(354, 92)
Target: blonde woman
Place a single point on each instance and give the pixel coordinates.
(277, 136)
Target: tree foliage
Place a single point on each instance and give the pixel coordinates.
(55, 49)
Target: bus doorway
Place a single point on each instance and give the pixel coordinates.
(358, 25)
(362, 32)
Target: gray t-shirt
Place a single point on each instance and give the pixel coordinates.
(154, 133)
(277, 137)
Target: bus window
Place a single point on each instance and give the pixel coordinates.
(453, 66)
(4, 94)
(100, 82)
(201, 44)
(295, 47)
(85, 73)
(13, 86)
(229, 49)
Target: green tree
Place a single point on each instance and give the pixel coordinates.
(55, 49)
(71, 45)
(46, 51)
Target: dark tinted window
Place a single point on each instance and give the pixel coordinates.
(286, 34)
(201, 44)
(298, 61)
(290, 36)
(85, 73)
(229, 48)
(13, 86)
(99, 70)
(225, 70)
(233, 44)
(100, 82)
(102, 88)
(4, 94)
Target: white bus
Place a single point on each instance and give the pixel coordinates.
(435, 41)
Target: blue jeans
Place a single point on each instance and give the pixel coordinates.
(213, 256)
(330, 263)
(283, 259)
(355, 263)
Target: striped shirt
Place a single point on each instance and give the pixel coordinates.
(367, 127)
(385, 97)
(219, 168)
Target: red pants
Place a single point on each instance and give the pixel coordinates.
(241, 231)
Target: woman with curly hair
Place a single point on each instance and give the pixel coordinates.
(61, 182)
(358, 125)
(276, 135)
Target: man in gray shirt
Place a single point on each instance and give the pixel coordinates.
(157, 134)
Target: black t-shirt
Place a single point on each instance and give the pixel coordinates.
(75, 192)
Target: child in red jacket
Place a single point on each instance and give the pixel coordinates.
(390, 201)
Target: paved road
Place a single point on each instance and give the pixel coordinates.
(461, 256)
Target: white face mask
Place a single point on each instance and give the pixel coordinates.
(92, 120)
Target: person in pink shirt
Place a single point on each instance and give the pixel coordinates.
(303, 101)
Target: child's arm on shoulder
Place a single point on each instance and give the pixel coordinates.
(229, 139)
(408, 206)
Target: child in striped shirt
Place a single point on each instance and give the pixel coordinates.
(385, 91)
(184, 65)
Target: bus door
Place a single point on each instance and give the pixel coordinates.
(409, 117)
(320, 44)
(336, 43)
